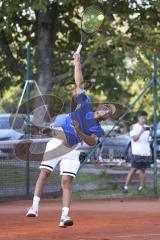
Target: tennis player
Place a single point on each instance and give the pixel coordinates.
(81, 125)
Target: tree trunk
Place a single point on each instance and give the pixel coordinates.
(46, 34)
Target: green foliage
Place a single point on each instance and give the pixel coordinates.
(10, 100)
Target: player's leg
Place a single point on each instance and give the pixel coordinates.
(41, 182)
(47, 168)
(66, 183)
(69, 168)
(145, 163)
(134, 167)
(130, 176)
(141, 179)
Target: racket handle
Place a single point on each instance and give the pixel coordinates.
(79, 48)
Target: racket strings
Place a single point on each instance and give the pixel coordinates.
(92, 19)
(37, 148)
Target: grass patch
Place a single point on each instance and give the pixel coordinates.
(92, 178)
(94, 194)
(14, 176)
(110, 193)
(146, 192)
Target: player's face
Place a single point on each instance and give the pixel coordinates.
(103, 112)
(142, 120)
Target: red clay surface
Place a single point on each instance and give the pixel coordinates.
(100, 220)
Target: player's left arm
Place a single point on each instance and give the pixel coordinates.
(90, 140)
(78, 76)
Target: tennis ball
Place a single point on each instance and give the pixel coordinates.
(100, 17)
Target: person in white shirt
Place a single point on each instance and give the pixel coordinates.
(141, 151)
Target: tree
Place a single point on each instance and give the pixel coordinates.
(130, 30)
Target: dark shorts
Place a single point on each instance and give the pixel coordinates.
(141, 162)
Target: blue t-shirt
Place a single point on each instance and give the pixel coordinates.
(85, 117)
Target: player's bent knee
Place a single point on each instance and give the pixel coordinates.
(45, 173)
(66, 182)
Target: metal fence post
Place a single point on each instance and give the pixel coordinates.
(27, 97)
(155, 74)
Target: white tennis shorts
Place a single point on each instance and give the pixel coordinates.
(69, 162)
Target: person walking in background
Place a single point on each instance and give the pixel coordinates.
(141, 151)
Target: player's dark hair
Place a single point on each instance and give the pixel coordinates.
(142, 113)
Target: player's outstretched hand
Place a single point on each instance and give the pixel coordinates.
(77, 58)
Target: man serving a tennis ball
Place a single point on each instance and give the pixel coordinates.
(81, 125)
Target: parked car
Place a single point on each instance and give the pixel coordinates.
(115, 146)
(85, 149)
(118, 146)
(7, 133)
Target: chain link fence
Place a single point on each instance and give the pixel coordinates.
(103, 167)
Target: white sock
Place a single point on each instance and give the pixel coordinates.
(65, 211)
(140, 187)
(36, 201)
(125, 187)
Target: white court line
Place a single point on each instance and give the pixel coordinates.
(138, 235)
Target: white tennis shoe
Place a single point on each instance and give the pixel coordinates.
(66, 222)
(32, 212)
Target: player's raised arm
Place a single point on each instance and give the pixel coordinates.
(78, 74)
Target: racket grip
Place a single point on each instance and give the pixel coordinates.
(79, 48)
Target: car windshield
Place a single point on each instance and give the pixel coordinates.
(4, 123)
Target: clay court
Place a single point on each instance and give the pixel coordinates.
(95, 219)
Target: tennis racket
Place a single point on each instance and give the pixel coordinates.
(91, 22)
